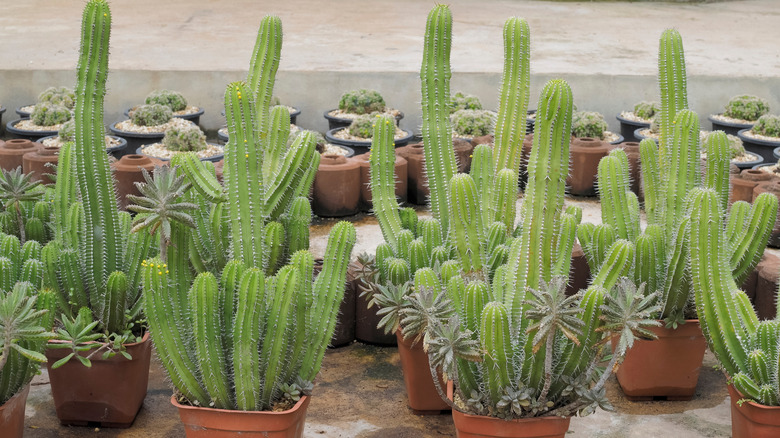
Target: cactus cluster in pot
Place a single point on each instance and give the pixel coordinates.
(237, 317)
(670, 171)
(25, 207)
(94, 263)
(475, 312)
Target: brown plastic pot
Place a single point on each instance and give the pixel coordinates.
(580, 271)
(478, 426)
(418, 191)
(37, 162)
(752, 420)
(742, 185)
(108, 394)
(585, 156)
(423, 397)
(222, 423)
(773, 187)
(401, 180)
(336, 187)
(766, 287)
(12, 414)
(667, 367)
(12, 152)
(128, 170)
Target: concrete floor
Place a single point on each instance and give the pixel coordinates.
(607, 51)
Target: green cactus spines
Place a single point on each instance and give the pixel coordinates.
(112, 314)
(566, 236)
(8, 273)
(579, 355)
(274, 244)
(278, 134)
(429, 230)
(513, 100)
(404, 238)
(436, 129)
(263, 66)
(297, 225)
(497, 342)
(408, 219)
(717, 175)
(303, 261)
(292, 179)
(203, 179)
(31, 272)
(11, 248)
(482, 172)
(104, 240)
(684, 156)
(398, 271)
(243, 176)
(676, 290)
(247, 334)
(615, 265)
(651, 180)
(596, 240)
(329, 290)
(304, 188)
(382, 177)
(47, 300)
(426, 278)
(207, 330)
(35, 230)
(613, 178)
(418, 255)
(475, 296)
(738, 214)
(30, 250)
(648, 261)
(450, 269)
(70, 275)
(750, 240)
(439, 255)
(505, 197)
(672, 81)
(496, 236)
(466, 230)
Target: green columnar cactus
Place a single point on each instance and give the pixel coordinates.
(263, 67)
(746, 347)
(513, 100)
(436, 130)
(672, 81)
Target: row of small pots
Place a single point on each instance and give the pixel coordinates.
(629, 128)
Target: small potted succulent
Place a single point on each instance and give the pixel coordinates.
(99, 363)
(356, 103)
(746, 348)
(740, 157)
(591, 143)
(764, 137)
(56, 95)
(741, 113)
(173, 100)
(147, 125)
(639, 118)
(27, 317)
(25, 207)
(471, 123)
(462, 101)
(179, 139)
(67, 132)
(360, 131)
(45, 120)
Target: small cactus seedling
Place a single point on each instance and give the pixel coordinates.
(151, 115)
(768, 125)
(50, 114)
(461, 101)
(184, 139)
(646, 110)
(363, 126)
(58, 96)
(67, 131)
(746, 107)
(362, 102)
(172, 99)
(588, 124)
(472, 123)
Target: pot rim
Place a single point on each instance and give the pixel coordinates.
(144, 338)
(295, 407)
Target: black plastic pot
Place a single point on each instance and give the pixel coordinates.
(765, 148)
(749, 164)
(23, 114)
(628, 127)
(194, 117)
(361, 147)
(350, 152)
(10, 127)
(2, 110)
(619, 140)
(759, 166)
(134, 139)
(640, 137)
(338, 122)
(776, 153)
(111, 150)
(222, 137)
(213, 159)
(728, 128)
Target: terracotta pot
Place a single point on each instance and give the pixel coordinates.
(752, 420)
(37, 162)
(108, 394)
(766, 287)
(401, 180)
(12, 152)
(418, 181)
(585, 156)
(477, 426)
(12, 414)
(743, 184)
(773, 187)
(751, 282)
(336, 187)
(128, 171)
(222, 423)
(423, 397)
(634, 170)
(580, 271)
(219, 168)
(667, 367)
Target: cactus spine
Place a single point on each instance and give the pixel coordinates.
(672, 81)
